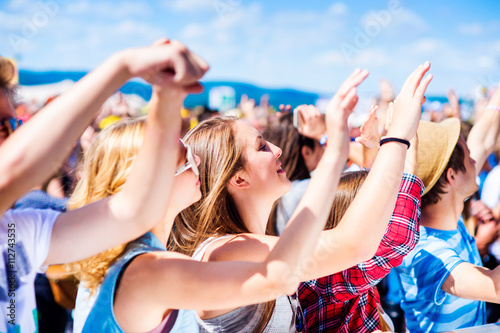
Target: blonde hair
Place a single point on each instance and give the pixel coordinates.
(106, 167)
(214, 141)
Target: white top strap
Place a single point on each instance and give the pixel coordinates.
(200, 251)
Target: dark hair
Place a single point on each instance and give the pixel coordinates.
(456, 163)
(283, 134)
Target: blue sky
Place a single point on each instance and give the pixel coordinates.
(307, 45)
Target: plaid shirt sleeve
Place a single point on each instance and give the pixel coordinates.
(401, 237)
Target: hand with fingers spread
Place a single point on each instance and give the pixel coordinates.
(340, 107)
(408, 104)
(166, 63)
(313, 123)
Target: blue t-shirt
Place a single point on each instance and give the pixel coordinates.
(423, 271)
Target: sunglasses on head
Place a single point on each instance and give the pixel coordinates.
(190, 164)
(10, 125)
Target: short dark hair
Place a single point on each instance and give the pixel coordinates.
(457, 164)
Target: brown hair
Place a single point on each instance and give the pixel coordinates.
(283, 134)
(214, 141)
(349, 185)
(456, 163)
(7, 74)
(106, 167)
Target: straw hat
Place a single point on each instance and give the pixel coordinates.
(436, 142)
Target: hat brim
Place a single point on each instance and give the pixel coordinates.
(436, 144)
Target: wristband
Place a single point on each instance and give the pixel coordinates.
(406, 142)
(323, 140)
(493, 107)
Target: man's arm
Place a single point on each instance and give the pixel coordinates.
(474, 282)
(38, 148)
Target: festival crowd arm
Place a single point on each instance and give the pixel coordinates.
(142, 203)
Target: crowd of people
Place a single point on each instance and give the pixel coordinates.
(261, 221)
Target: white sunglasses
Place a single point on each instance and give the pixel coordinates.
(190, 164)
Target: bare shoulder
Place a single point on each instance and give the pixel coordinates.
(244, 247)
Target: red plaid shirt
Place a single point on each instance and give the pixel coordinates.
(346, 301)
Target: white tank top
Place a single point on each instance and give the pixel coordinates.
(246, 318)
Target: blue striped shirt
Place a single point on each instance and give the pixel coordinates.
(423, 271)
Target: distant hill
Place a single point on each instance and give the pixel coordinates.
(276, 96)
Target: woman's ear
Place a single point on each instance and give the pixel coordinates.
(239, 181)
(306, 152)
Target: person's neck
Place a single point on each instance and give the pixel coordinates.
(162, 229)
(443, 215)
(255, 212)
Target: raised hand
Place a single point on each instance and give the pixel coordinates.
(167, 63)
(340, 107)
(285, 108)
(408, 104)
(370, 136)
(453, 109)
(487, 226)
(313, 123)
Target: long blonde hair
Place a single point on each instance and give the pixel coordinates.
(216, 214)
(106, 167)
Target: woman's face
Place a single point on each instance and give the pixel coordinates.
(186, 187)
(262, 170)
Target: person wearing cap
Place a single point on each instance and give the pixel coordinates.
(444, 284)
(32, 239)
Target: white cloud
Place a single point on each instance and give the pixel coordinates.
(188, 5)
(487, 62)
(123, 10)
(330, 58)
(338, 9)
(372, 58)
(472, 29)
(426, 46)
(395, 22)
(17, 4)
(193, 31)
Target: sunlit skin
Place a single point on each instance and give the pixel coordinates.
(187, 187)
(262, 177)
(466, 181)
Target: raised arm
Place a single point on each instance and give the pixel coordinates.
(143, 201)
(377, 197)
(223, 285)
(400, 238)
(36, 150)
(484, 134)
(341, 248)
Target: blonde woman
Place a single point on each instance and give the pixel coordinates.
(32, 239)
(241, 179)
(138, 286)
